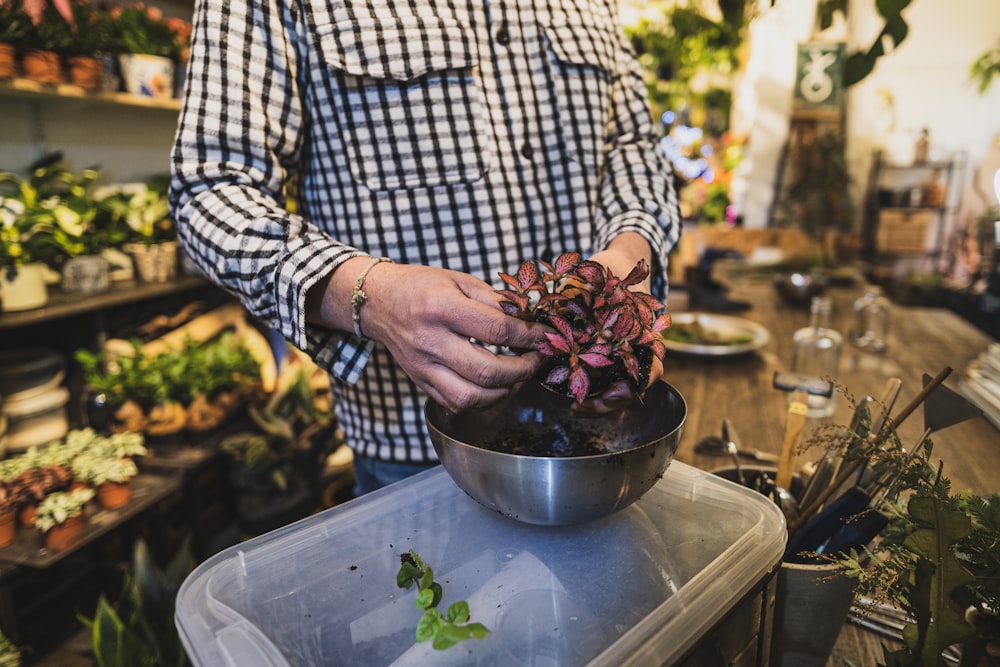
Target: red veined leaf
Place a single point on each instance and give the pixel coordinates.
(562, 345)
(558, 375)
(659, 349)
(595, 360)
(631, 366)
(562, 325)
(652, 302)
(591, 273)
(511, 309)
(510, 280)
(661, 323)
(527, 276)
(637, 274)
(566, 262)
(546, 348)
(579, 384)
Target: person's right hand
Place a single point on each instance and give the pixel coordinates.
(427, 317)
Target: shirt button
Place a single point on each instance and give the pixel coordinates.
(527, 151)
(503, 35)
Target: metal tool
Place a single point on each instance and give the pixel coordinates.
(853, 519)
(732, 446)
(713, 445)
(852, 468)
(885, 404)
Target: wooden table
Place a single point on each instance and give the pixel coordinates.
(921, 340)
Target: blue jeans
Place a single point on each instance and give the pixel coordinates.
(371, 474)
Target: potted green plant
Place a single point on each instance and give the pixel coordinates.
(149, 46)
(59, 517)
(47, 218)
(150, 235)
(275, 465)
(198, 386)
(38, 479)
(14, 26)
(12, 497)
(603, 331)
(936, 559)
(109, 476)
(90, 36)
(139, 628)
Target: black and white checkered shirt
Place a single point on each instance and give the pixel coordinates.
(466, 134)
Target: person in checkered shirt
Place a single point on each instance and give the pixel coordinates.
(456, 139)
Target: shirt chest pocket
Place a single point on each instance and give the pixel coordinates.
(410, 104)
(582, 58)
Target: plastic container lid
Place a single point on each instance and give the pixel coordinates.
(644, 584)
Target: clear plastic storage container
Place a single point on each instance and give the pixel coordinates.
(687, 568)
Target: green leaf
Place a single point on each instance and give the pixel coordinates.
(449, 635)
(478, 630)
(458, 612)
(425, 599)
(408, 575)
(939, 573)
(429, 624)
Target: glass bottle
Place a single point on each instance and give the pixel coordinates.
(871, 321)
(816, 352)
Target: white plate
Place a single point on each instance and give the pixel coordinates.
(723, 327)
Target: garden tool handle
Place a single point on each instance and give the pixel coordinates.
(795, 422)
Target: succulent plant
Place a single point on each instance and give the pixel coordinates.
(604, 331)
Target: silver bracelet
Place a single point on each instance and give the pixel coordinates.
(358, 296)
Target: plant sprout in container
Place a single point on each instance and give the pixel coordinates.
(604, 332)
(60, 506)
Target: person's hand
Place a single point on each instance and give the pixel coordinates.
(620, 258)
(427, 318)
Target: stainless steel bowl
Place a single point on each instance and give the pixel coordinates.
(632, 448)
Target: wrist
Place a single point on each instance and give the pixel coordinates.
(359, 296)
(329, 301)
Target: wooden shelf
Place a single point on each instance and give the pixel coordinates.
(62, 304)
(146, 490)
(26, 89)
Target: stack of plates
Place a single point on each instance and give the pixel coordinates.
(981, 382)
(34, 400)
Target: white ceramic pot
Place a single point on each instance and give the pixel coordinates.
(86, 274)
(147, 75)
(26, 291)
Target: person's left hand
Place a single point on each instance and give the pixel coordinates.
(620, 258)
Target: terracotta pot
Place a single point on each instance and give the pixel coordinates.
(85, 72)
(26, 515)
(26, 291)
(8, 61)
(42, 66)
(8, 527)
(113, 495)
(66, 534)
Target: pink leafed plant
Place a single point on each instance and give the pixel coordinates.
(604, 332)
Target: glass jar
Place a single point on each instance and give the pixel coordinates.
(816, 352)
(871, 321)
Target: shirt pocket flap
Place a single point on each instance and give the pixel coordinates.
(402, 48)
(575, 43)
